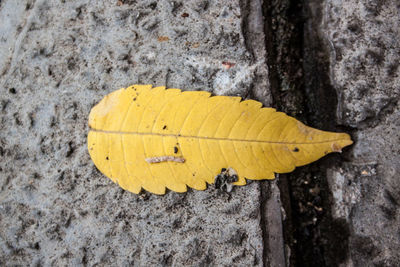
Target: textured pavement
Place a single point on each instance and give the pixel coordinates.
(59, 58)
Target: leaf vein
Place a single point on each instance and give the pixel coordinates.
(220, 138)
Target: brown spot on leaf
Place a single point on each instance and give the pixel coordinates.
(336, 147)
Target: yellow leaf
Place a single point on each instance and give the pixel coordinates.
(153, 138)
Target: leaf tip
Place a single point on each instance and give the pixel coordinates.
(345, 141)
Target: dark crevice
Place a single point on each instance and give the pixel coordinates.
(300, 85)
(265, 194)
(245, 11)
(284, 56)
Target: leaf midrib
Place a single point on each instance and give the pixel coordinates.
(218, 138)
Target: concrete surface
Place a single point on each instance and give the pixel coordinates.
(57, 59)
(364, 43)
(333, 63)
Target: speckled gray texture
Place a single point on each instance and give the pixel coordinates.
(57, 59)
(364, 43)
(365, 55)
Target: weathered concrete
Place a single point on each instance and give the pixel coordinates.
(57, 59)
(335, 65)
(364, 43)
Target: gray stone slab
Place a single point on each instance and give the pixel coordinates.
(57, 59)
(365, 46)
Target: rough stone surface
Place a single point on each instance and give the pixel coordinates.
(334, 65)
(57, 59)
(365, 54)
(364, 40)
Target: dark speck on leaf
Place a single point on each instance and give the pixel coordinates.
(134, 99)
(218, 182)
(175, 150)
(224, 180)
(106, 158)
(232, 179)
(296, 149)
(165, 127)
